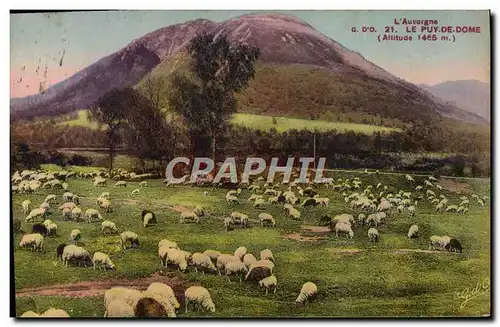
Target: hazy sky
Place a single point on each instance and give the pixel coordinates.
(38, 40)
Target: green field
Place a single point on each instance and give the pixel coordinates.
(355, 278)
(266, 123)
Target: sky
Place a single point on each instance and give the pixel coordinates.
(68, 42)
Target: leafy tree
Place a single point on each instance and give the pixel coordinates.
(110, 111)
(206, 98)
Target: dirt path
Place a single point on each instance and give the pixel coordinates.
(98, 287)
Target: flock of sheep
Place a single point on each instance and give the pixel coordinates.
(374, 206)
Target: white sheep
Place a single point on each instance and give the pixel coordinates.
(120, 183)
(361, 219)
(148, 219)
(203, 262)
(69, 205)
(66, 214)
(73, 252)
(33, 241)
(102, 259)
(143, 184)
(51, 198)
(234, 267)
(199, 211)
(188, 217)
(269, 282)
(35, 214)
(267, 254)
(240, 252)
(322, 201)
(104, 195)
(165, 292)
(67, 196)
(345, 228)
(127, 295)
(413, 231)
(92, 215)
(131, 237)
(223, 259)
(438, 241)
(119, 308)
(411, 210)
(249, 259)
(263, 262)
(108, 226)
(239, 218)
(29, 314)
(177, 258)
(294, 213)
(135, 192)
(373, 235)
(212, 254)
(198, 295)
(26, 206)
(231, 199)
(308, 291)
(259, 203)
(75, 235)
(168, 244)
(55, 313)
(267, 219)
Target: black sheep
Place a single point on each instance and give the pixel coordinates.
(145, 212)
(60, 250)
(258, 273)
(310, 192)
(40, 229)
(454, 245)
(325, 220)
(309, 202)
(281, 199)
(149, 307)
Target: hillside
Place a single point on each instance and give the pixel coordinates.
(471, 95)
(322, 75)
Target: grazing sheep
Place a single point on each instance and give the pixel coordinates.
(375, 218)
(452, 208)
(259, 203)
(454, 245)
(258, 272)
(108, 226)
(228, 223)
(143, 184)
(104, 195)
(59, 250)
(212, 254)
(294, 213)
(264, 262)
(75, 235)
(439, 241)
(33, 241)
(309, 202)
(55, 313)
(239, 218)
(223, 259)
(119, 308)
(269, 282)
(231, 199)
(51, 198)
(307, 293)
(189, 217)
(102, 259)
(76, 253)
(322, 201)
(203, 262)
(266, 219)
(26, 206)
(373, 235)
(413, 231)
(249, 259)
(68, 205)
(105, 204)
(135, 192)
(40, 229)
(237, 268)
(240, 252)
(148, 219)
(411, 210)
(120, 183)
(361, 219)
(45, 206)
(267, 255)
(127, 295)
(35, 214)
(199, 211)
(92, 215)
(199, 296)
(345, 228)
(343, 218)
(165, 292)
(149, 307)
(176, 258)
(67, 197)
(131, 237)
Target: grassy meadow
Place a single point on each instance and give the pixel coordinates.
(355, 278)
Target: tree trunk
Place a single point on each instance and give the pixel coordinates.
(111, 153)
(213, 149)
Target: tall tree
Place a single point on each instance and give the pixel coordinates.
(109, 111)
(206, 98)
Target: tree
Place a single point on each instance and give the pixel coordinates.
(206, 98)
(109, 111)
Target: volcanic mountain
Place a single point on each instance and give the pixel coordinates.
(326, 75)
